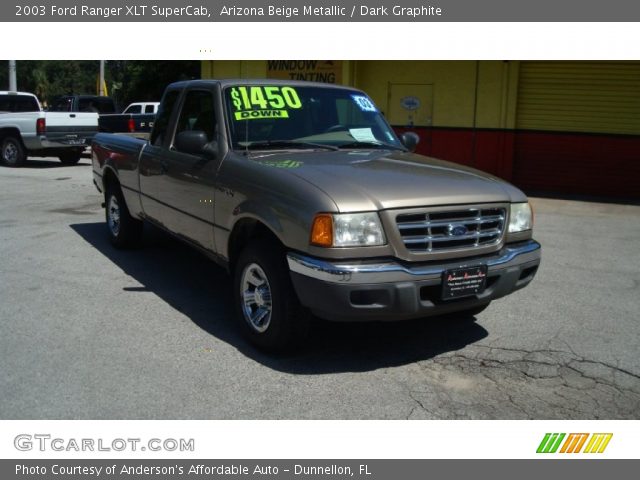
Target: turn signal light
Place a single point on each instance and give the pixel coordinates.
(131, 125)
(322, 230)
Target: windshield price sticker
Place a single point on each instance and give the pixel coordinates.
(264, 102)
(365, 104)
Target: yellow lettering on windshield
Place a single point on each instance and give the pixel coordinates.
(264, 102)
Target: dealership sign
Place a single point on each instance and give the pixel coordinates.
(327, 71)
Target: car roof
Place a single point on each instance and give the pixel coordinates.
(5, 92)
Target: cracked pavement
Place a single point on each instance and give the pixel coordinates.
(91, 332)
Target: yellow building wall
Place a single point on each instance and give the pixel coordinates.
(453, 86)
(234, 69)
(597, 97)
(466, 94)
(497, 94)
(255, 69)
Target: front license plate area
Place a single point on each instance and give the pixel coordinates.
(464, 282)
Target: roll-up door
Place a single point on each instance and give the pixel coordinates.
(578, 128)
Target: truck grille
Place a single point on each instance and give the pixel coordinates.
(451, 230)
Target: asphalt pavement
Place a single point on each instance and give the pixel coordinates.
(90, 332)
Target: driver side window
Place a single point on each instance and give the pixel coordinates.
(198, 114)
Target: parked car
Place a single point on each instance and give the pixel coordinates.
(142, 107)
(313, 204)
(131, 123)
(26, 130)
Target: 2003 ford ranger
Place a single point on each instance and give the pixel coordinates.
(310, 200)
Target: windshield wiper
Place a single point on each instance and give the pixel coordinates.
(365, 144)
(287, 143)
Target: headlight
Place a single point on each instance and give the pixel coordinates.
(521, 218)
(347, 230)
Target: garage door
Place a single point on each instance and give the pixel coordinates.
(578, 128)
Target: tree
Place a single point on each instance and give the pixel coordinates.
(127, 80)
(41, 83)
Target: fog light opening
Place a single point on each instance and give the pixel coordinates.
(528, 272)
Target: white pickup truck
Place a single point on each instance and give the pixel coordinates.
(26, 130)
(142, 107)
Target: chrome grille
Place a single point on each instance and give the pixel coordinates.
(452, 229)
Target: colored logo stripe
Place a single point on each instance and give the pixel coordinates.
(575, 441)
(598, 442)
(550, 443)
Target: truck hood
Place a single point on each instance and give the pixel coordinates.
(361, 180)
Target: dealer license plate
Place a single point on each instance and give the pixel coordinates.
(464, 282)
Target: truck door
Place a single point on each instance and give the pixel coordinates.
(177, 187)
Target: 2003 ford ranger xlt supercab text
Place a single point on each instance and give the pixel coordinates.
(310, 200)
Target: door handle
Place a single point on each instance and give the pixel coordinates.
(73, 115)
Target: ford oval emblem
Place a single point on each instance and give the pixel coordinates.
(457, 230)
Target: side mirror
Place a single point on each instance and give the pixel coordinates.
(410, 140)
(195, 142)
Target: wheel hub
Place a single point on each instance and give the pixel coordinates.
(256, 297)
(113, 215)
(10, 153)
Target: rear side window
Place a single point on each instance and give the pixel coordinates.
(86, 105)
(104, 105)
(149, 109)
(18, 103)
(162, 120)
(96, 104)
(63, 104)
(26, 103)
(133, 109)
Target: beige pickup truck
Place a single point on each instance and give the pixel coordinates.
(315, 206)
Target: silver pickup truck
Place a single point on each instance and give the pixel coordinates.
(26, 130)
(314, 205)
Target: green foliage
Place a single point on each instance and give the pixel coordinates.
(127, 80)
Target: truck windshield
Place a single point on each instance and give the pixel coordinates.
(281, 116)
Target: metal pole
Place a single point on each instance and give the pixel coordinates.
(13, 82)
(101, 87)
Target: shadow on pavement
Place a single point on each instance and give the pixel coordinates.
(201, 290)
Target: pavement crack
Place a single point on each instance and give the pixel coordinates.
(418, 405)
(552, 381)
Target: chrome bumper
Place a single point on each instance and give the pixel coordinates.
(391, 271)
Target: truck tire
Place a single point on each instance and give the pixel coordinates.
(12, 152)
(124, 230)
(267, 307)
(70, 158)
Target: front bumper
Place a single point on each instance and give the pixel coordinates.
(389, 290)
